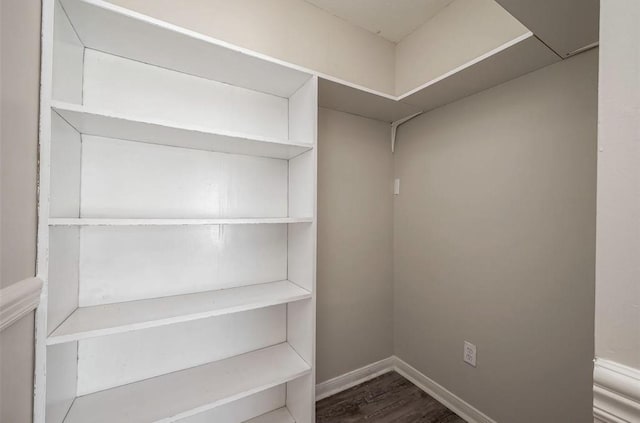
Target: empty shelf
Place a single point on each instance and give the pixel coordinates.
(108, 319)
(174, 222)
(515, 58)
(281, 415)
(148, 40)
(349, 98)
(187, 392)
(113, 125)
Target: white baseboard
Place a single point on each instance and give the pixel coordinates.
(442, 395)
(353, 378)
(616, 392)
(18, 299)
(393, 363)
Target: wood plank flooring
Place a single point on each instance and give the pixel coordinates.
(389, 398)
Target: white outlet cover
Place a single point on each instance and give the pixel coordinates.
(469, 355)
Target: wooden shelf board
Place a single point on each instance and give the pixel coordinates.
(113, 125)
(281, 415)
(63, 221)
(184, 393)
(109, 319)
(148, 40)
(511, 60)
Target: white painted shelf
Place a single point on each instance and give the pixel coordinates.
(281, 415)
(357, 100)
(508, 61)
(181, 394)
(148, 40)
(515, 58)
(114, 125)
(60, 221)
(109, 319)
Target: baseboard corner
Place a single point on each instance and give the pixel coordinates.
(394, 363)
(441, 394)
(355, 377)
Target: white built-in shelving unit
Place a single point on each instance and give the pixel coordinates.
(177, 230)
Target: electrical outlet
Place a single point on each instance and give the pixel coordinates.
(469, 355)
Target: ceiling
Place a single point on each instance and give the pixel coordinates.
(391, 19)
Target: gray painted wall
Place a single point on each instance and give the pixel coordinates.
(20, 63)
(355, 291)
(461, 32)
(618, 249)
(20, 38)
(494, 243)
(16, 371)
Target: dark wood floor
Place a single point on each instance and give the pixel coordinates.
(389, 398)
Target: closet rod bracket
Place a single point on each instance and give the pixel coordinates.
(396, 124)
